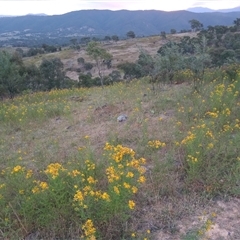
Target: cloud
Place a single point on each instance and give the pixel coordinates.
(217, 4)
(22, 7)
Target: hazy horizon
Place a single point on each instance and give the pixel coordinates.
(54, 7)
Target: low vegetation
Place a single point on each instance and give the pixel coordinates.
(70, 170)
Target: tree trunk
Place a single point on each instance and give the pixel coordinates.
(100, 73)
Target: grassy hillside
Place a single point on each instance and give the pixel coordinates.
(122, 51)
(70, 170)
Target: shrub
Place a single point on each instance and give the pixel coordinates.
(80, 60)
(82, 196)
(88, 66)
(211, 160)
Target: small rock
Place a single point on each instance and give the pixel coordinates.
(122, 118)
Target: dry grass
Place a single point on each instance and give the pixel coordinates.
(122, 51)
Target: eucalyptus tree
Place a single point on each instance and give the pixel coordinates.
(11, 81)
(198, 62)
(100, 56)
(147, 63)
(168, 61)
(195, 25)
(52, 73)
(237, 23)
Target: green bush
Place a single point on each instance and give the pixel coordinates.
(91, 200)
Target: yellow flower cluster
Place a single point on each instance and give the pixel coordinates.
(17, 169)
(78, 197)
(74, 173)
(41, 186)
(209, 134)
(89, 230)
(29, 174)
(212, 114)
(210, 146)
(90, 165)
(156, 144)
(125, 171)
(91, 180)
(53, 169)
(192, 158)
(88, 191)
(131, 204)
(218, 90)
(237, 125)
(189, 138)
(226, 112)
(119, 152)
(112, 174)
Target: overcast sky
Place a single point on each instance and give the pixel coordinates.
(52, 7)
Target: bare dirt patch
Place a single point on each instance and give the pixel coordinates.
(218, 220)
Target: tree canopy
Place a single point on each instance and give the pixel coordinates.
(130, 34)
(195, 25)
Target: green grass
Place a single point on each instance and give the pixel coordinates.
(54, 167)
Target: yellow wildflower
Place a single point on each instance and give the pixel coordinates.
(78, 196)
(210, 145)
(89, 228)
(106, 197)
(21, 191)
(126, 185)
(35, 189)
(91, 180)
(75, 173)
(43, 185)
(131, 204)
(130, 175)
(134, 189)
(54, 169)
(116, 190)
(29, 173)
(141, 179)
(17, 169)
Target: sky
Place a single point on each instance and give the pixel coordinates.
(56, 7)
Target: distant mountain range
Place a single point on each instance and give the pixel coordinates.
(208, 10)
(105, 22)
(100, 22)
